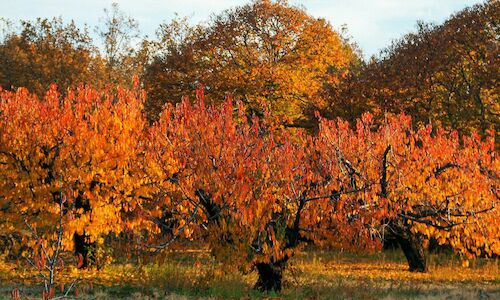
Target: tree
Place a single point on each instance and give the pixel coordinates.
(256, 194)
(118, 33)
(263, 53)
(444, 74)
(83, 147)
(347, 97)
(171, 73)
(46, 52)
(436, 184)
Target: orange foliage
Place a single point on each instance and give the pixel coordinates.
(436, 184)
(254, 192)
(83, 147)
(266, 53)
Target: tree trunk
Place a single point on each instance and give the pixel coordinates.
(82, 248)
(414, 252)
(81, 243)
(270, 276)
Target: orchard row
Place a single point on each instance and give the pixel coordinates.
(77, 168)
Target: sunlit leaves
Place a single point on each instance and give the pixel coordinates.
(84, 146)
(266, 53)
(254, 192)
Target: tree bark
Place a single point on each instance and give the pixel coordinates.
(270, 276)
(414, 252)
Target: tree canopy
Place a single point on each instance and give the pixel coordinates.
(263, 53)
(443, 74)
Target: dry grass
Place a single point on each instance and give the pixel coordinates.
(313, 275)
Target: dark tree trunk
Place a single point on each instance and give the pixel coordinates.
(81, 243)
(271, 273)
(414, 252)
(82, 248)
(270, 276)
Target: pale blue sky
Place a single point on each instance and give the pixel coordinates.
(371, 23)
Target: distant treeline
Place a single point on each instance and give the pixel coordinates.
(274, 57)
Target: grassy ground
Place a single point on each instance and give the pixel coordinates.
(312, 275)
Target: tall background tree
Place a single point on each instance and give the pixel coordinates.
(444, 74)
(39, 53)
(123, 52)
(47, 51)
(264, 53)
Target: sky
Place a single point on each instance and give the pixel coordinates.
(372, 24)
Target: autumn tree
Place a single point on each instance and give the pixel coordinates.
(443, 74)
(47, 51)
(257, 193)
(172, 73)
(450, 196)
(84, 147)
(264, 52)
(254, 193)
(124, 57)
(347, 96)
(437, 185)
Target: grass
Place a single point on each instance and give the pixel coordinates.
(311, 275)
